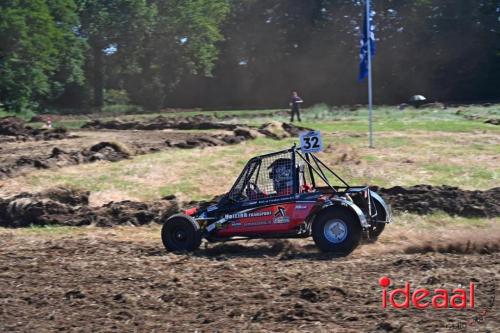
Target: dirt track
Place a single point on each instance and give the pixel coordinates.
(121, 280)
(18, 157)
(22, 151)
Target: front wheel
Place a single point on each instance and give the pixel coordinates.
(181, 233)
(337, 231)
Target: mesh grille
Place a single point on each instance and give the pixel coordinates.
(266, 177)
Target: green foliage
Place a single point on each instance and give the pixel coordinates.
(213, 53)
(116, 97)
(39, 53)
(181, 41)
(148, 47)
(122, 109)
(25, 114)
(115, 24)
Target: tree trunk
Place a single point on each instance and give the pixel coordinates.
(98, 77)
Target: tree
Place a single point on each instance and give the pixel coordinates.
(39, 52)
(182, 40)
(446, 50)
(111, 26)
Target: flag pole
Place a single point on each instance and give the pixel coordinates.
(370, 96)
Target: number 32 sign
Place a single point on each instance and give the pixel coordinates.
(311, 142)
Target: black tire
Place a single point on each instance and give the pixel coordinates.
(181, 233)
(348, 231)
(376, 228)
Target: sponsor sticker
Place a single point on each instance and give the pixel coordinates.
(245, 215)
(256, 223)
(283, 219)
(280, 216)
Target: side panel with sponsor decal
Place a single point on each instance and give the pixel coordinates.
(302, 209)
(275, 218)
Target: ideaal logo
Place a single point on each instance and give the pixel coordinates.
(422, 298)
(458, 298)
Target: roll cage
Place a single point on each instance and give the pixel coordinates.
(298, 173)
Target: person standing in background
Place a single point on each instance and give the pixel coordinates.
(295, 102)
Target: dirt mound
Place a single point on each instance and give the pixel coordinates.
(69, 207)
(107, 151)
(66, 195)
(426, 199)
(103, 151)
(275, 129)
(247, 132)
(199, 122)
(493, 121)
(47, 207)
(206, 141)
(16, 129)
(278, 130)
(132, 212)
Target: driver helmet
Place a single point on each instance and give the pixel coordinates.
(281, 174)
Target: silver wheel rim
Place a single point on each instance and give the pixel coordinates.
(335, 231)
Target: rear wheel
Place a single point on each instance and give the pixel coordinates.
(181, 233)
(337, 231)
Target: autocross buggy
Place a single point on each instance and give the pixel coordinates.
(285, 194)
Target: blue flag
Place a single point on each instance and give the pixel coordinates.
(368, 36)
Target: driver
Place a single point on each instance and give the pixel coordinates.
(282, 176)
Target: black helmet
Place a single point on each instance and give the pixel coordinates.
(281, 173)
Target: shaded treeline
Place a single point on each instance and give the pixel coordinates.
(446, 50)
(229, 53)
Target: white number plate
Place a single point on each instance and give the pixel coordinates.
(311, 142)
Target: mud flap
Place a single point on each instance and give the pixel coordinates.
(386, 207)
(353, 207)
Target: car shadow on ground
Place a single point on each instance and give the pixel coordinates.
(283, 250)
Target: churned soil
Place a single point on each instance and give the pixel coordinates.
(20, 157)
(121, 280)
(426, 199)
(199, 122)
(14, 129)
(17, 157)
(70, 207)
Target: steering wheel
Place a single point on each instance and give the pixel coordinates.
(253, 191)
(252, 186)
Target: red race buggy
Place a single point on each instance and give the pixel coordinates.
(285, 194)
